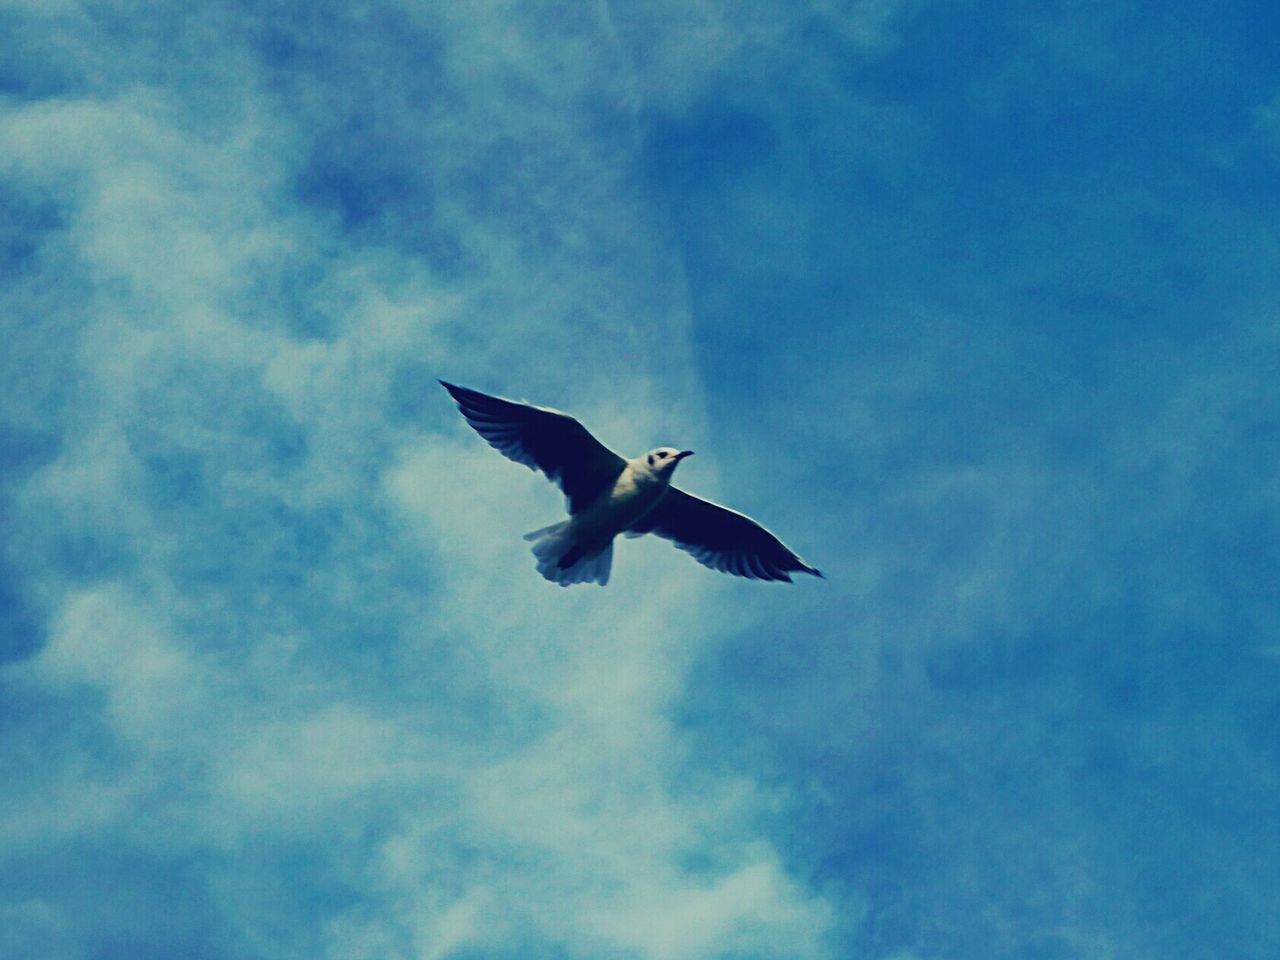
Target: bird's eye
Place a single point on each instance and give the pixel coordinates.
(662, 456)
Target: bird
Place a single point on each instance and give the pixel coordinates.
(607, 495)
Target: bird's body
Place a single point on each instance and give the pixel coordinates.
(607, 495)
(636, 491)
(580, 549)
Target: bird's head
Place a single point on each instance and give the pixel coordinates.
(662, 461)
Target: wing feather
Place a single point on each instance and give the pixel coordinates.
(720, 538)
(542, 439)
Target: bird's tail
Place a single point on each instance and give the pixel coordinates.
(562, 560)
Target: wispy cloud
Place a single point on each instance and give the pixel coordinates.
(307, 650)
(975, 307)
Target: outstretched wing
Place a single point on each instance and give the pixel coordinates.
(720, 538)
(542, 439)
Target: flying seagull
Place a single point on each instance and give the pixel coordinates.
(607, 495)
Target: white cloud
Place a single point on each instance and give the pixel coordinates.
(317, 760)
(106, 639)
(36, 927)
(754, 909)
(591, 800)
(208, 652)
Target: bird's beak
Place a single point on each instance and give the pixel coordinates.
(684, 453)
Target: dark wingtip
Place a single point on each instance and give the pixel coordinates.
(814, 571)
(458, 393)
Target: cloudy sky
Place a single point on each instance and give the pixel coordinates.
(975, 303)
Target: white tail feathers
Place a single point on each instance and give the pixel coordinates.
(555, 545)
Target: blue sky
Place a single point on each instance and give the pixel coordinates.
(975, 304)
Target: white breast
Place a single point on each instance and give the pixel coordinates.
(636, 491)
